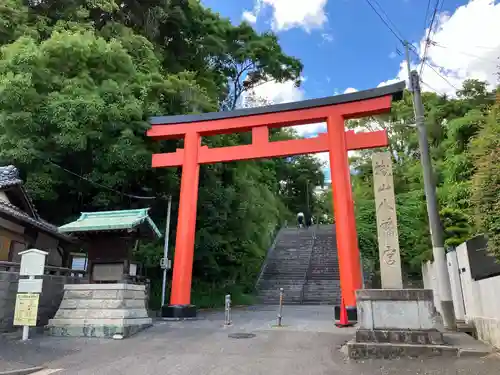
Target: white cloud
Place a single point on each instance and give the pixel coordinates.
(349, 90)
(288, 14)
(327, 37)
(402, 75)
(467, 45)
(249, 17)
(277, 92)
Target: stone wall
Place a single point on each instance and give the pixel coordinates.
(53, 290)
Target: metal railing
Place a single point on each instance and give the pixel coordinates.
(49, 270)
(308, 268)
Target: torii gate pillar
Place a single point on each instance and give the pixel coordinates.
(332, 110)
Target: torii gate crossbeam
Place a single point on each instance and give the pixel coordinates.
(332, 110)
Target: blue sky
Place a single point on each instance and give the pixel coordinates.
(353, 48)
(344, 45)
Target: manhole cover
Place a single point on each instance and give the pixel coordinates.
(241, 335)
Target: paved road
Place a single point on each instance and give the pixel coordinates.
(308, 344)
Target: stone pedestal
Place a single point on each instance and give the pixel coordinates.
(101, 310)
(397, 323)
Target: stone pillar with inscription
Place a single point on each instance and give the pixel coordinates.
(392, 321)
(387, 230)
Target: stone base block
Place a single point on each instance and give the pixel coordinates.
(400, 337)
(101, 310)
(178, 312)
(397, 309)
(352, 313)
(397, 323)
(358, 350)
(102, 328)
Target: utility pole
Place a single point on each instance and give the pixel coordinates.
(437, 238)
(165, 262)
(407, 55)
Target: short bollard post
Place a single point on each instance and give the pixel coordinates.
(280, 311)
(227, 311)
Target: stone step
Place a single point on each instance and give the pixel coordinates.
(277, 285)
(298, 278)
(272, 270)
(282, 268)
(286, 267)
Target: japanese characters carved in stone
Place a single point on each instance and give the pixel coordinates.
(387, 230)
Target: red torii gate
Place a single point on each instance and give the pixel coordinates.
(332, 110)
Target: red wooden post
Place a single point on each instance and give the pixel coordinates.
(347, 241)
(186, 223)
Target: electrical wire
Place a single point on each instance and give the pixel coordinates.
(384, 21)
(442, 76)
(394, 26)
(462, 52)
(428, 38)
(434, 69)
(411, 47)
(432, 88)
(427, 13)
(101, 185)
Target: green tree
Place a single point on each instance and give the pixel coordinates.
(82, 102)
(486, 180)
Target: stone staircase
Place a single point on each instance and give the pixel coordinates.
(322, 285)
(286, 267)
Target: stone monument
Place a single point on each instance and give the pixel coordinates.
(387, 229)
(393, 321)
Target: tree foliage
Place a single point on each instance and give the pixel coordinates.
(463, 134)
(80, 78)
(486, 179)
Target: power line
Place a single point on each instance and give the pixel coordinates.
(428, 38)
(439, 74)
(388, 18)
(432, 88)
(385, 22)
(462, 52)
(435, 71)
(411, 47)
(101, 185)
(427, 12)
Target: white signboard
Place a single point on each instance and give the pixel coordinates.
(30, 286)
(32, 262)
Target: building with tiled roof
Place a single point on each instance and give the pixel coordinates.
(21, 227)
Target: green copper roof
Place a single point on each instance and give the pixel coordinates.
(111, 220)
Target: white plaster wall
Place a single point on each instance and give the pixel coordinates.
(470, 289)
(481, 299)
(430, 282)
(487, 316)
(456, 285)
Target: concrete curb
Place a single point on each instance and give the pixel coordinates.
(24, 371)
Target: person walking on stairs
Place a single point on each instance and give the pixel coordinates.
(300, 219)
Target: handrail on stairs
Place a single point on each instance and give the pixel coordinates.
(306, 273)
